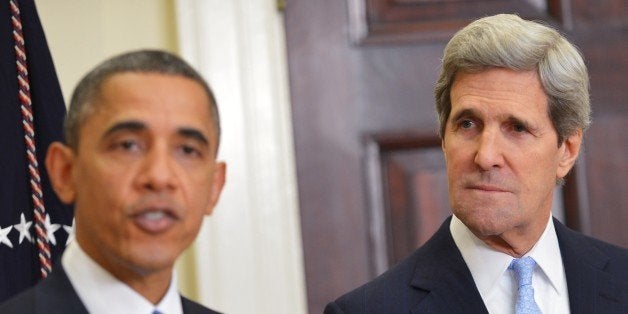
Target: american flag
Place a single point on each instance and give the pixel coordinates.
(19, 266)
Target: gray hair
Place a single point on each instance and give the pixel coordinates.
(82, 104)
(507, 41)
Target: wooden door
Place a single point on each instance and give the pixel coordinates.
(371, 176)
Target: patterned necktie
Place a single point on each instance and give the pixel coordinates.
(523, 268)
(156, 312)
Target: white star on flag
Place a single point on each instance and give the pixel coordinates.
(51, 229)
(24, 229)
(3, 236)
(70, 231)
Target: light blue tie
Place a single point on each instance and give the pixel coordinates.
(524, 267)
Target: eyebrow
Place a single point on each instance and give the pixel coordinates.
(464, 113)
(137, 126)
(132, 125)
(193, 134)
(529, 126)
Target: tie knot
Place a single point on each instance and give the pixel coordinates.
(523, 267)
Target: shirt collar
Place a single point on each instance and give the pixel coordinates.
(488, 265)
(97, 288)
(546, 253)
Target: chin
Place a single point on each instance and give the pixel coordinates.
(484, 222)
(485, 229)
(146, 267)
(150, 261)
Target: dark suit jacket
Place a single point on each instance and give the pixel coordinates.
(55, 295)
(435, 279)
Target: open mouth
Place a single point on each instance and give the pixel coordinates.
(155, 220)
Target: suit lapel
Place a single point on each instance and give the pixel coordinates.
(591, 289)
(441, 270)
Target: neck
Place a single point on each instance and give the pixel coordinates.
(152, 284)
(517, 241)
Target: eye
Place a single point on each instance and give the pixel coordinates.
(519, 128)
(190, 151)
(466, 124)
(126, 145)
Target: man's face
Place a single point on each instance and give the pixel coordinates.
(144, 173)
(502, 154)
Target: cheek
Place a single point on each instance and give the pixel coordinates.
(197, 191)
(536, 176)
(538, 166)
(101, 190)
(457, 159)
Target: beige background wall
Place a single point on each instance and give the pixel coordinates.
(82, 33)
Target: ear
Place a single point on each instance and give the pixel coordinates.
(218, 182)
(568, 153)
(59, 163)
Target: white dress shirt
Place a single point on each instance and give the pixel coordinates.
(497, 284)
(101, 292)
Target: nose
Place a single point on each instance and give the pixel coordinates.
(489, 154)
(157, 171)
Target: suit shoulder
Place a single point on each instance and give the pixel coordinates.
(592, 249)
(394, 291)
(381, 295)
(617, 256)
(53, 295)
(612, 250)
(23, 302)
(582, 240)
(191, 307)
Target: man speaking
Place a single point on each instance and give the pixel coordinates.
(139, 165)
